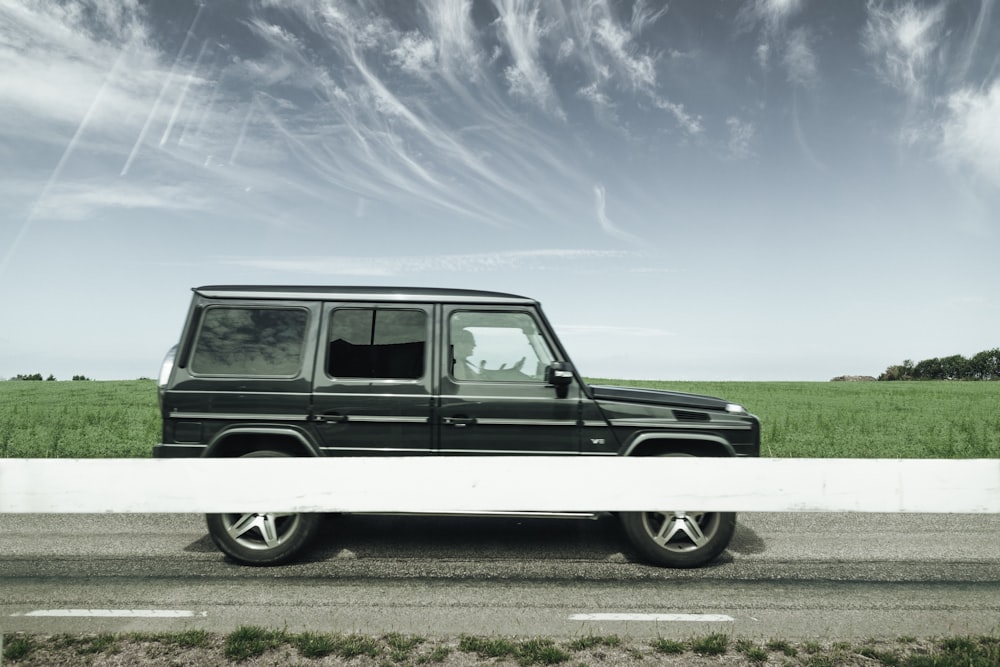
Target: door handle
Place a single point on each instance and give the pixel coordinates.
(331, 417)
(460, 421)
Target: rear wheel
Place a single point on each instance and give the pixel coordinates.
(673, 538)
(262, 538)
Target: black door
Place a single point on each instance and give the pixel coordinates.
(494, 399)
(373, 386)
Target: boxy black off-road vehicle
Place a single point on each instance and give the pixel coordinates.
(368, 371)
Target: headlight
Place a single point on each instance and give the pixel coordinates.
(165, 368)
(735, 409)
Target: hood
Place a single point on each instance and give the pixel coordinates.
(657, 397)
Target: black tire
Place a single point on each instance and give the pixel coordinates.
(259, 538)
(679, 539)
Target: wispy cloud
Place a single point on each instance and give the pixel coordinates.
(791, 46)
(82, 201)
(800, 59)
(913, 51)
(972, 44)
(611, 331)
(742, 135)
(54, 64)
(521, 30)
(688, 122)
(609, 228)
(37, 209)
(395, 266)
(773, 15)
(454, 108)
(902, 40)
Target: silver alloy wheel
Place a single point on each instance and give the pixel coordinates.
(258, 530)
(681, 531)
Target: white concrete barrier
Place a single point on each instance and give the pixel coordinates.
(504, 484)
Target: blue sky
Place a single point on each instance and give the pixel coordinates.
(699, 190)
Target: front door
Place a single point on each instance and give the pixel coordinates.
(494, 398)
(373, 386)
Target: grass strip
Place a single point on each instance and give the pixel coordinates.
(280, 647)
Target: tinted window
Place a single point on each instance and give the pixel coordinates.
(250, 341)
(376, 343)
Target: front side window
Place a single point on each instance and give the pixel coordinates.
(497, 347)
(377, 343)
(256, 342)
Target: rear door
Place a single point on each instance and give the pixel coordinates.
(243, 363)
(494, 398)
(373, 385)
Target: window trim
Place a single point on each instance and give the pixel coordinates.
(375, 308)
(203, 317)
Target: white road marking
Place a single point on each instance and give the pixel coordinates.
(115, 613)
(666, 618)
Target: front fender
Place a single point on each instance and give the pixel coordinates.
(652, 443)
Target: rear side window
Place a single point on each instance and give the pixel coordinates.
(377, 343)
(256, 342)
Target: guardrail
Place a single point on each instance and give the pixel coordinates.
(499, 484)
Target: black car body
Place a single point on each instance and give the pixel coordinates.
(370, 371)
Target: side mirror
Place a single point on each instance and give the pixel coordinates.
(560, 375)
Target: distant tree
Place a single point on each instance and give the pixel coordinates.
(32, 378)
(982, 366)
(903, 371)
(929, 369)
(892, 374)
(955, 367)
(985, 365)
(50, 378)
(79, 378)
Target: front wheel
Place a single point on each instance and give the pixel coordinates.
(679, 538)
(262, 538)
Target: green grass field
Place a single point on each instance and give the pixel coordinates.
(947, 420)
(78, 419)
(800, 419)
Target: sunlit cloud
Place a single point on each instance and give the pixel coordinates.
(902, 40)
(416, 55)
(638, 69)
(521, 29)
(912, 51)
(971, 132)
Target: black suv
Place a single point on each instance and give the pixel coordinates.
(376, 371)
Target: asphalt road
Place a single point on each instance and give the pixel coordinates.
(795, 576)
